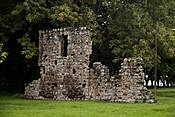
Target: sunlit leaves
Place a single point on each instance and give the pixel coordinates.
(29, 48)
(3, 55)
(63, 13)
(166, 39)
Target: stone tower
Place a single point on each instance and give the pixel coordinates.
(64, 63)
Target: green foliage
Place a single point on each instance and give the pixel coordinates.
(132, 27)
(29, 48)
(63, 14)
(3, 55)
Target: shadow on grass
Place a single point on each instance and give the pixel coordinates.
(12, 95)
(166, 93)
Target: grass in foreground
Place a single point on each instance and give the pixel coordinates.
(16, 106)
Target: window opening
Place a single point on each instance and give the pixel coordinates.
(64, 45)
(74, 71)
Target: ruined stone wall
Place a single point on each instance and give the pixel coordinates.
(127, 86)
(101, 85)
(131, 82)
(32, 90)
(65, 75)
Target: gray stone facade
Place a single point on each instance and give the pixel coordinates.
(127, 86)
(65, 73)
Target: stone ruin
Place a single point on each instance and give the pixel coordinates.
(65, 73)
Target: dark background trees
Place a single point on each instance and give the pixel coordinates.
(120, 29)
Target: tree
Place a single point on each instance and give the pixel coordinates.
(131, 27)
(22, 26)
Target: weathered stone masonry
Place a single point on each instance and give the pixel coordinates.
(65, 75)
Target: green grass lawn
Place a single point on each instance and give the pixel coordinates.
(17, 106)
